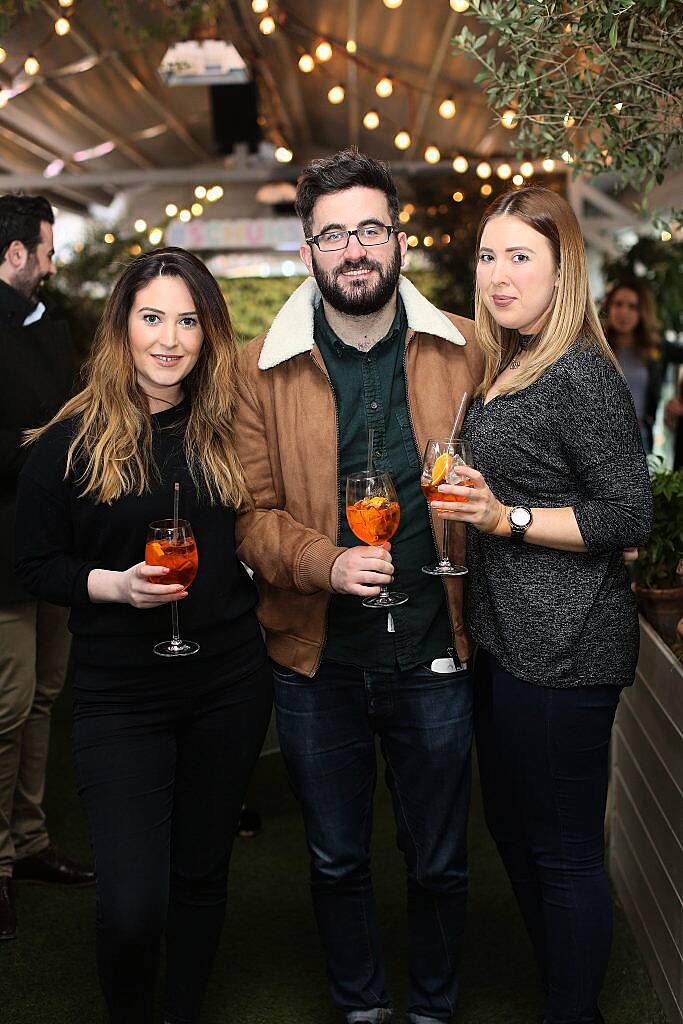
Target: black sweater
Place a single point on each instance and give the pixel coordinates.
(570, 439)
(61, 537)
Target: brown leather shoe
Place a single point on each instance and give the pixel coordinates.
(52, 868)
(8, 918)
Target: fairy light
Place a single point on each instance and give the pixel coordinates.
(458, 197)
(283, 155)
(460, 164)
(4, 98)
(267, 25)
(446, 239)
(3, 55)
(548, 165)
(384, 87)
(568, 121)
(427, 241)
(62, 26)
(200, 191)
(135, 249)
(140, 224)
(404, 216)
(110, 238)
(518, 180)
(66, 3)
(665, 236)
(618, 107)
(460, 6)
(214, 193)
(196, 209)
(509, 119)
(259, 6)
(336, 94)
(432, 154)
(527, 169)
(409, 208)
(412, 241)
(323, 51)
(185, 216)
(306, 63)
(351, 46)
(486, 190)
(402, 139)
(171, 210)
(504, 171)
(392, 4)
(567, 157)
(447, 108)
(155, 236)
(371, 120)
(484, 170)
(31, 65)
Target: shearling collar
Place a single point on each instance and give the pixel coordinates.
(291, 332)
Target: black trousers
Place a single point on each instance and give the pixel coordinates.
(543, 760)
(162, 768)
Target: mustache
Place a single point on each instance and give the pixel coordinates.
(362, 264)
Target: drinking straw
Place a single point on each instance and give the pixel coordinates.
(371, 444)
(176, 506)
(458, 417)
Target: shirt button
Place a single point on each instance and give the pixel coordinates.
(373, 405)
(378, 454)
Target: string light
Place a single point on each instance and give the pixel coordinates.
(409, 208)
(185, 216)
(384, 87)
(267, 25)
(283, 155)
(486, 190)
(548, 165)
(402, 139)
(665, 236)
(109, 238)
(446, 239)
(447, 108)
(214, 193)
(483, 170)
(428, 241)
(306, 63)
(3, 55)
(392, 4)
(140, 224)
(351, 46)
(171, 210)
(618, 107)
(504, 171)
(371, 120)
(568, 121)
(458, 197)
(200, 191)
(155, 236)
(460, 164)
(509, 119)
(196, 209)
(4, 98)
(66, 3)
(259, 6)
(518, 180)
(323, 51)
(336, 94)
(567, 157)
(412, 241)
(135, 249)
(432, 154)
(404, 216)
(62, 26)
(31, 65)
(460, 5)
(527, 169)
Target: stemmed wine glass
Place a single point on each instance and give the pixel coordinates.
(440, 466)
(373, 513)
(171, 543)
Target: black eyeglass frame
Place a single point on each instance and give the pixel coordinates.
(390, 230)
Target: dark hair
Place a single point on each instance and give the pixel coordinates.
(344, 170)
(20, 220)
(647, 333)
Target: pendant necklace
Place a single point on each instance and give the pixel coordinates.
(524, 341)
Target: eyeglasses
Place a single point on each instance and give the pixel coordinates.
(336, 238)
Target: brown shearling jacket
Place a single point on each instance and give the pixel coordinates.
(286, 434)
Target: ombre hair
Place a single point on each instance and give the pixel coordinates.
(647, 334)
(111, 451)
(571, 315)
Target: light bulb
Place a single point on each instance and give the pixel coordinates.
(548, 165)
(171, 210)
(155, 236)
(283, 155)
(392, 4)
(267, 25)
(384, 87)
(567, 157)
(504, 171)
(527, 169)
(3, 54)
(31, 65)
(446, 239)
(483, 170)
(460, 5)
(665, 236)
(447, 108)
(458, 197)
(351, 46)
(402, 139)
(62, 26)
(518, 180)
(66, 3)
(412, 241)
(404, 216)
(140, 224)
(196, 209)
(185, 216)
(323, 51)
(568, 121)
(460, 164)
(509, 119)
(432, 154)
(259, 6)
(371, 120)
(200, 191)
(336, 94)
(486, 190)
(109, 238)
(306, 63)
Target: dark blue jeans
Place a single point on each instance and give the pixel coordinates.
(327, 728)
(543, 759)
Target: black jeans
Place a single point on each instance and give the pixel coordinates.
(543, 760)
(327, 728)
(162, 771)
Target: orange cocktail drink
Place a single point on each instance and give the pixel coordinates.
(374, 520)
(179, 556)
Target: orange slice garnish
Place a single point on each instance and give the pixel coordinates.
(441, 467)
(378, 502)
(157, 549)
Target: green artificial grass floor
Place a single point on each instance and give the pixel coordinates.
(269, 968)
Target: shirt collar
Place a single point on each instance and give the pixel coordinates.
(14, 307)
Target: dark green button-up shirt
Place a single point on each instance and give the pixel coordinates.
(370, 391)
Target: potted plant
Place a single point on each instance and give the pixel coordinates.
(658, 573)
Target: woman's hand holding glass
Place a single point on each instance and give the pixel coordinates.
(479, 506)
(134, 586)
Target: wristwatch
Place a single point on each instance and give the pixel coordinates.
(520, 519)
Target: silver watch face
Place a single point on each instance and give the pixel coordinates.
(520, 516)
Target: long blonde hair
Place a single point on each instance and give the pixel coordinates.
(572, 314)
(111, 451)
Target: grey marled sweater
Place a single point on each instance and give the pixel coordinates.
(551, 617)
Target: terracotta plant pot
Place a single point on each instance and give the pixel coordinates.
(662, 608)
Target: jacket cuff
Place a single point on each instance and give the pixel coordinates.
(315, 566)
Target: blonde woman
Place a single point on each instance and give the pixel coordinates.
(163, 747)
(561, 487)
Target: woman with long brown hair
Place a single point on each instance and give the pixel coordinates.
(163, 746)
(561, 487)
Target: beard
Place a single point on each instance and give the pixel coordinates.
(358, 297)
(28, 280)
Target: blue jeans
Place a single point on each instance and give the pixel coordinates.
(543, 755)
(327, 728)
